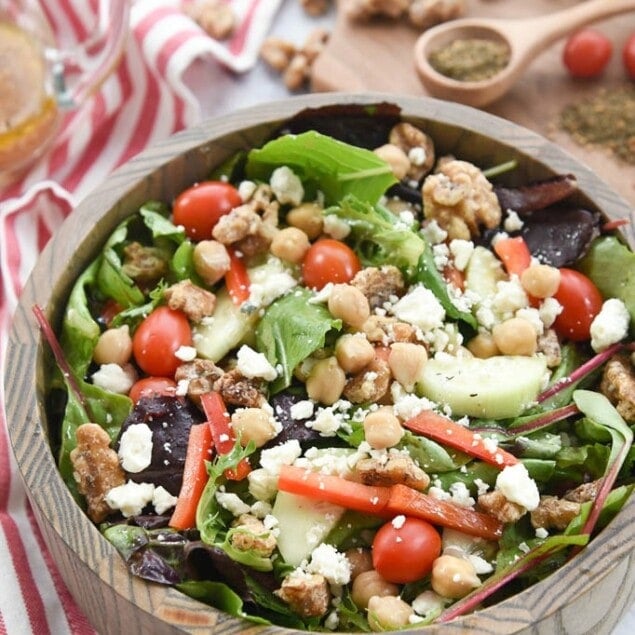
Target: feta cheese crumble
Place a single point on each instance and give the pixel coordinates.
(252, 364)
(326, 560)
(286, 186)
(130, 498)
(518, 487)
(610, 325)
(420, 308)
(114, 378)
(135, 448)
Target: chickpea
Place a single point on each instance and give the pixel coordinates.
(253, 424)
(388, 613)
(211, 260)
(396, 158)
(349, 304)
(515, 336)
(361, 560)
(370, 584)
(382, 429)
(353, 352)
(326, 381)
(453, 577)
(541, 281)
(483, 346)
(406, 362)
(307, 217)
(290, 244)
(114, 346)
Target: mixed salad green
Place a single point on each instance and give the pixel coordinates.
(338, 389)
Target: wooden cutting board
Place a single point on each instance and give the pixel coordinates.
(378, 56)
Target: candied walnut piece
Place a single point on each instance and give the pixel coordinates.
(250, 228)
(427, 13)
(145, 265)
(297, 72)
(308, 595)
(418, 147)
(315, 7)
(461, 200)
(618, 385)
(96, 469)
(495, 504)
(277, 53)
(238, 390)
(583, 493)
(381, 329)
(239, 223)
(366, 9)
(253, 536)
(200, 376)
(398, 469)
(370, 385)
(215, 17)
(554, 512)
(195, 302)
(379, 284)
(293, 63)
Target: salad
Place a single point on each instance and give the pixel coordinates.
(348, 388)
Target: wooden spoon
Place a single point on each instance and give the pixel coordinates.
(525, 39)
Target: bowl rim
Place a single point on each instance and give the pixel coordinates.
(25, 410)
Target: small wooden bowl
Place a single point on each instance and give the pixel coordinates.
(589, 594)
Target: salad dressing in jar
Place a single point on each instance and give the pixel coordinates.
(39, 78)
(28, 111)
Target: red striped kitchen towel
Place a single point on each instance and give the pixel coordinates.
(143, 101)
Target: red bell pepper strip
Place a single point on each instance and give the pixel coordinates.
(439, 428)
(387, 501)
(222, 433)
(237, 279)
(199, 450)
(333, 489)
(514, 253)
(409, 502)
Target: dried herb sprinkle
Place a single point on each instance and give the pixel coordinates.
(606, 119)
(470, 59)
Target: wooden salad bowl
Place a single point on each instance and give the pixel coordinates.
(589, 594)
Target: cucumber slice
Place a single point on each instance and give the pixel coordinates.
(494, 388)
(226, 329)
(482, 273)
(303, 523)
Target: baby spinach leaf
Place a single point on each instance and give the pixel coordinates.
(154, 215)
(218, 595)
(611, 265)
(291, 329)
(333, 167)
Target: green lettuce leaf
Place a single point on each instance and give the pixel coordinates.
(325, 164)
(378, 236)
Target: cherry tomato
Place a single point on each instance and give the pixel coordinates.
(157, 338)
(150, 386)
(404, 552)
(581, 301)
(329, 260)
(628, 56)
(587, 53)
(199, 207)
